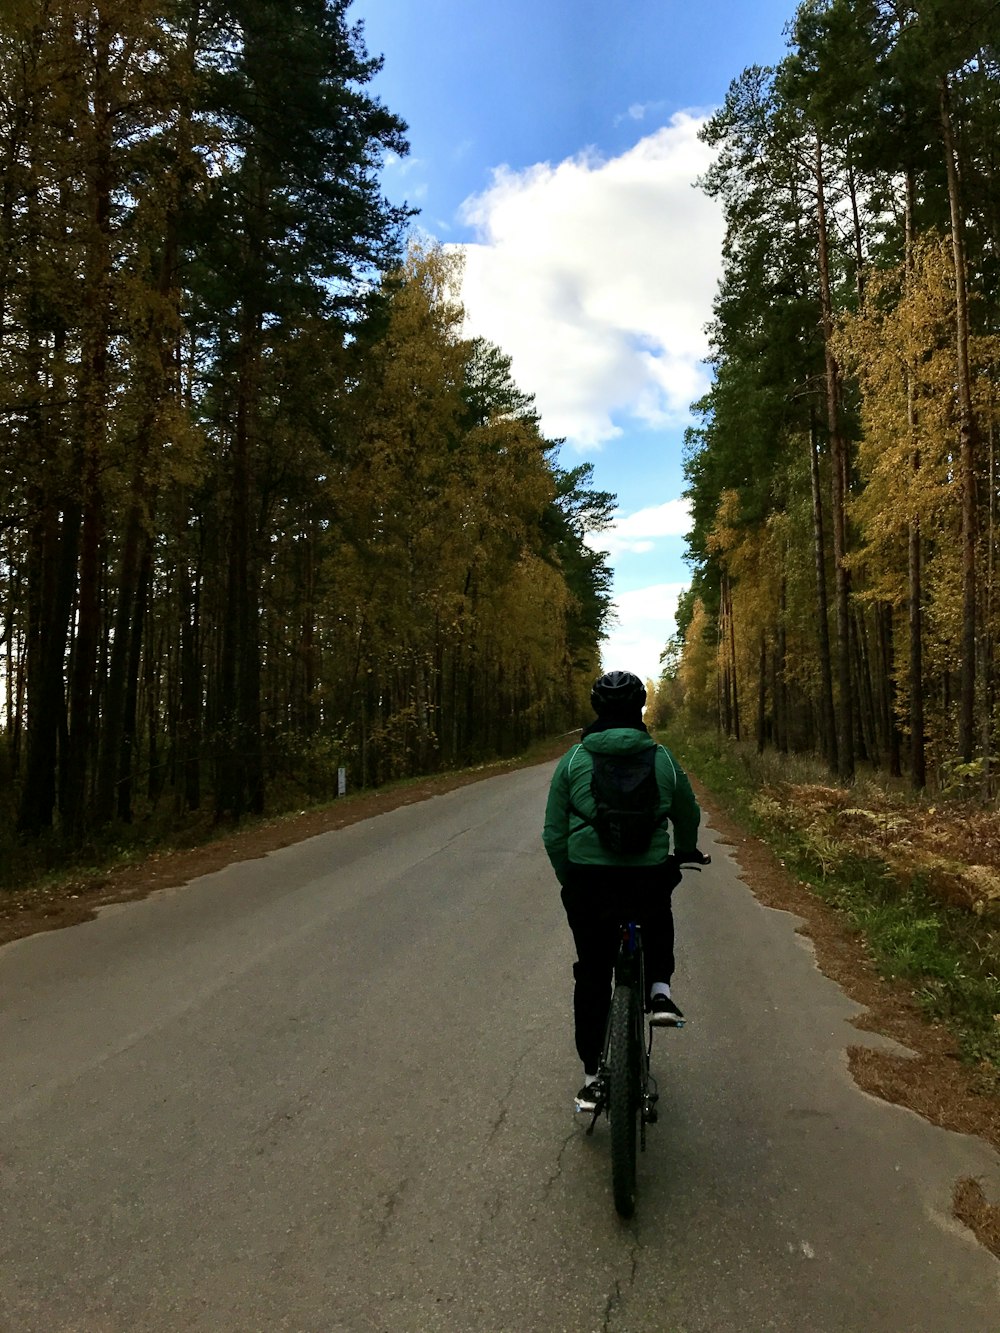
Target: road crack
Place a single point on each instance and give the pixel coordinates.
(618, 1296)
(279, 1121)
(501, 1117)
(557, 1173)
(390, 1202)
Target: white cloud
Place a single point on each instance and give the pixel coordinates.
(633, 532)
(645, 622)
(639, 111)
(597, 277)
(670, 519)
(403, 166)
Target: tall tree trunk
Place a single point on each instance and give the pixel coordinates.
(92, 430)
(732, 658)
(762, 695)
(967, 436)
(239, 774)
(838, 472)
(308, 717)
(52, 545)
(129, 729)
(828, 723)
(865, 691)
(914, 596)
(780, 685)
(728, 645)
(858, 235)
(190, 684)
(115, 693)
(989, 666)
(887, 711)
(51, 582)
(157, 378)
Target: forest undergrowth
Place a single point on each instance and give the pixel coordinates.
(917, 876)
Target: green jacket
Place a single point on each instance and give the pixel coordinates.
(567, 836)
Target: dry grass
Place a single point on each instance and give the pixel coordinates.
(951, 849)
(971, 1206)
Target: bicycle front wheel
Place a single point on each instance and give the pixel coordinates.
(623, 1094)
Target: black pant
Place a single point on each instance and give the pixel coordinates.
(597, 899)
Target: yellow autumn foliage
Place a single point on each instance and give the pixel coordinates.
(900, 349)
(698, 669)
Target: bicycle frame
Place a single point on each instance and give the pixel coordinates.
(630, 1092)
(630, 965)
(630, 970)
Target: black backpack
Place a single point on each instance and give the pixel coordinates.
(627, 797)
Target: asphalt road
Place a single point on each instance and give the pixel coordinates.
(331, 1091)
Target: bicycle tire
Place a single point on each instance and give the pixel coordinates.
(623, 1096)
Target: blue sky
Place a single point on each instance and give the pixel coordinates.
(555, 141)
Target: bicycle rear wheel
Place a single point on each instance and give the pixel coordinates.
(623, 1094)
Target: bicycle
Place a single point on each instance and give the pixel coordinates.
(631, 1092)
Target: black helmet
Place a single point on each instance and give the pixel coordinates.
(617, 692)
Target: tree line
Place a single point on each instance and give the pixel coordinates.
(265, 511)
(843, 474)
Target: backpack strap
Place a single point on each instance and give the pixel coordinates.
(575, 809)
(670, 761)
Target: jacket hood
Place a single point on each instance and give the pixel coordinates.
(618, 740)
(628, 718)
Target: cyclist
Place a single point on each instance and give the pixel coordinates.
(600, 886)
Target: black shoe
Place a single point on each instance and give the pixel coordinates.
(590, 1098)
(664, 1013)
